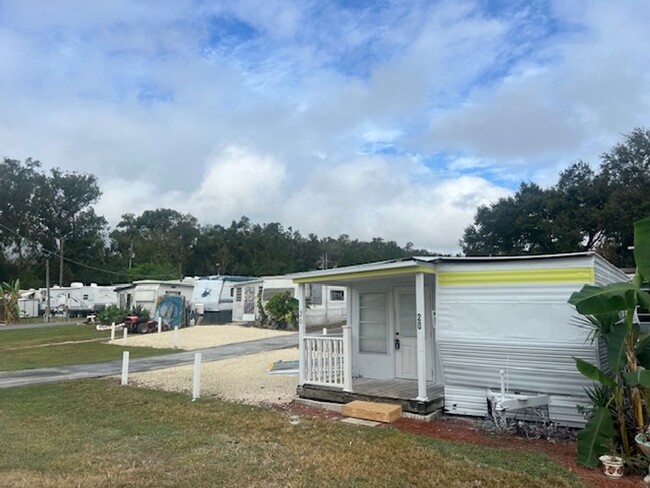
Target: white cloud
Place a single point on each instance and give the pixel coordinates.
(302, 117)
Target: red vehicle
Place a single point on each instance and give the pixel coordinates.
(141, 325)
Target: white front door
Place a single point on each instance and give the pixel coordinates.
(249, 304)
(405, 335)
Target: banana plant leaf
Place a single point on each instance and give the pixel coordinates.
(642, 247)
(642, 351)
(596, 438)
(595, 300)
(592, 372)
(639, 377)
(616, 347)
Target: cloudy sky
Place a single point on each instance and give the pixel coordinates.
(393, 119)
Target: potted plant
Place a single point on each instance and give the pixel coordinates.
(612, 465)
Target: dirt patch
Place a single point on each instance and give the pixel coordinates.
(470, 432)
(241, 379)
(200, 337)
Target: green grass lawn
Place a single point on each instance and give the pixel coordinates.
(55, 346)
(96, 433)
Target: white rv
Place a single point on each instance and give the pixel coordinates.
(213, 298)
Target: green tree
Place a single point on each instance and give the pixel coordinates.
(65, 202)
(585, 210)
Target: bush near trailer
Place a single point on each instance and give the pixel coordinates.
(620, 396)
(283, 309)
(9, 292)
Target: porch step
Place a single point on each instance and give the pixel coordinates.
(380, 412)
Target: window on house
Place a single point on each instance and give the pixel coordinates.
(238, 297)
(232, 292)
(373, 322)
(337, 295)
(85, 297)
(314, 294)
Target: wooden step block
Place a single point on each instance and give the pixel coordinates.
(381, 412)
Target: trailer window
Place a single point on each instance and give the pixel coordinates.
(238, 297)
(337, 295)
(373, 323)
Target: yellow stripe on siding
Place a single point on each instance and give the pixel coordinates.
(514, 276)
(379, 273)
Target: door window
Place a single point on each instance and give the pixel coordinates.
(373, 323)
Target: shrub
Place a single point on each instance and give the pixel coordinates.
(110, 314)
(283, 309)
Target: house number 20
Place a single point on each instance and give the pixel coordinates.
(419, 321)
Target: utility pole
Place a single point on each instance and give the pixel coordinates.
(61, 240)
(131, 255)
(324, 261)
(47, 286)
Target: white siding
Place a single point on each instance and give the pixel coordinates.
(607, 273)
(524, 329)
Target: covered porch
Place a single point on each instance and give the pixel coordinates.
(386, 351)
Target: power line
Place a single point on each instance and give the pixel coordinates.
(58, 255)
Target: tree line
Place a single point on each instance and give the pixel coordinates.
(587, 210)
(50, 215)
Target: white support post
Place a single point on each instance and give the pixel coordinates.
(113, 331)
(176, 337)
(159, 325)
(125, 333)
(301, 334)
(347, 358)
(421, 333)
(125, 368)
(196, 383)
(324, 331)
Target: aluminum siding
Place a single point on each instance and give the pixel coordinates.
(525, 329)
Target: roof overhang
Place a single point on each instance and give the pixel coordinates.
(366, 271)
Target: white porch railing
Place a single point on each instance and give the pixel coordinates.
(325, 360)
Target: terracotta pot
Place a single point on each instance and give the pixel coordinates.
(613, 466)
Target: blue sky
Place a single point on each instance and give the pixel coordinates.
(391, 119)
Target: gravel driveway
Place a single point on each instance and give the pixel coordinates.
(200, 336)
(241, 379)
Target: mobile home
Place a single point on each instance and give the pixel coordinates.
(327, 304)
(435, 333)
(147, 293)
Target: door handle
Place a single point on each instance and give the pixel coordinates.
(397, 343)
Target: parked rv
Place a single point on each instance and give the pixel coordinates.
(213, 297)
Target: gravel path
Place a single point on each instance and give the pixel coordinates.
(241, 379)
(200, 337)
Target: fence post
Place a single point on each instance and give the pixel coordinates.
(347, 358)
(125, 368)
(324, 331)
(159, 325)
(176, 337)
(196, 384)
(124, 335)
(113, 331)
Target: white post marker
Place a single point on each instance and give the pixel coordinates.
(324, 331)
(159, 325)
(125, 368)
(126, 332)
(176, 337)
(196, 384)
(113, 331)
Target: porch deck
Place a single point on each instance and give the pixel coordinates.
(402, 392)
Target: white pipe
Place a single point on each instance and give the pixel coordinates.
(159, 325)
(502, 373)
(113, 331)
(196, 384)
(176, 337)
(125, 368)
(126, 331)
